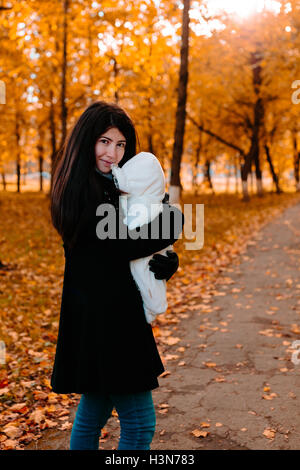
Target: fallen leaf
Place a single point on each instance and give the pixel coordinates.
(37, 416)
(267, 332)
(163, 411)
(10, 444)
(12, 431)
(198, 433)
(66, 425)
(165, 373)
(205, 425)
(170, 357)
(170, 341)
(39, 395)
(49, 423)
(295, 329)
(269, 433)
(17, 407)
(209, 364)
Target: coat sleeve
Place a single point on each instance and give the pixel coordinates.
(163, 231)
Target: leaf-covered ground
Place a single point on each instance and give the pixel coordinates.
(30, 292)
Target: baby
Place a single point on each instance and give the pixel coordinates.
(143, 181)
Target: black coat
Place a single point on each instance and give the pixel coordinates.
(104, 341)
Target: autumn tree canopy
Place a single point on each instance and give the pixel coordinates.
(58, 56)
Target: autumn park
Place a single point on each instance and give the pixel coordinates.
(213, 90)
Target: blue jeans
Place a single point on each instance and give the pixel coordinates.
(136, 414)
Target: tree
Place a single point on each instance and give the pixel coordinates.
(175, 186)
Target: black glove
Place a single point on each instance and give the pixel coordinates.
(164, 267)
(166, 199)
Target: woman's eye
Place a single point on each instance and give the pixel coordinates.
(104, 141)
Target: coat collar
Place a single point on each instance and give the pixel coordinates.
(106, 175)
(111, 192)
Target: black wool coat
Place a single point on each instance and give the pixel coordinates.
(104, 341)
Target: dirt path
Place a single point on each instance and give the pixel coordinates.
(238, 375)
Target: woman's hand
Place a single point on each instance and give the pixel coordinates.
(164, 267)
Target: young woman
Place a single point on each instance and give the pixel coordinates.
(105, 350)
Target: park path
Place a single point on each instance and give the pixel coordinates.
(234, 377)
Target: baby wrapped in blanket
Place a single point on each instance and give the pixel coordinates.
(143, 180)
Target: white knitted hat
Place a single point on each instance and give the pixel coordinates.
(142, 175)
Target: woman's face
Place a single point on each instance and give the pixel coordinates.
(109, 148)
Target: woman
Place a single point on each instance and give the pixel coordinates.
(105, 348)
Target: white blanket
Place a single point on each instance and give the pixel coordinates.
(143, 180)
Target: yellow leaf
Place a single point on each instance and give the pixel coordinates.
(295, 329)
(198, 433)
(209, 364)
(269, 433)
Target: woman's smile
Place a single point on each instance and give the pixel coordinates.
(106, 163)
(111, 144)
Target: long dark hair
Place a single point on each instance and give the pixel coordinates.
(74, 179)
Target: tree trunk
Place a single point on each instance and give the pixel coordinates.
(41, 162)
(150, 127)
(53, 135)
(236, 174)
(175, 186)
(296, 160)
(18, 170)
(40, 149)
(256, 161)
(91, 74)
(274, 176)
(3, 180)
(207, 175)
(258, 117)
(297, 165)
(253, 154)
(18, 160)
(64, 109)
(195, 172)
(251, 182)
(245, 170)
(116, 73)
